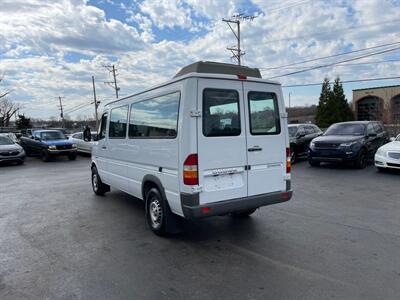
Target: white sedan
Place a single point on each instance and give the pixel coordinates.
(388, 156)
(81, 144)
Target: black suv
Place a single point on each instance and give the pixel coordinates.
(348, 142)
(300, 137)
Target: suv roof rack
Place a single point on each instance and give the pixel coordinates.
(218, 68)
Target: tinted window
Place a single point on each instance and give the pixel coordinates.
(346, 129)
(221, 113)
(118, 121)
(378, 127)
(52, 135)
(103, 126)
(292, 131)
(264, 113)
(78, 136)
(309, 130)
(301, 131)
(4, 140)
(155, 118)
(370, 129)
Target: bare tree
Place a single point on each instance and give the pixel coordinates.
(7, 110)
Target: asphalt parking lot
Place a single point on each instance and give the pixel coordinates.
(338, 238)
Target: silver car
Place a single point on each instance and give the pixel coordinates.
(82, 145)
(10, 151)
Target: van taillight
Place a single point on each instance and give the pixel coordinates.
(288, 161)
(190, 171)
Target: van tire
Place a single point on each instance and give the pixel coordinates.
(243, 214)
(99, 188)
(157, 212)
(72, 156)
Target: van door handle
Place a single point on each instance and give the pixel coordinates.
(104, 147)
(255, 148)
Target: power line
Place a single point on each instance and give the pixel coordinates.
(329, 56)
(346, 29)
(345, 65)
(335, 63)
(344, 81)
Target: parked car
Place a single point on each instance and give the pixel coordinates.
(11, 135)
(10, 151)
(300, 137)
(82, 145)
(194, 147)
(388, 156)
(351, 142)
(49, 143)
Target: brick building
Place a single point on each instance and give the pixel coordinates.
(377, 103)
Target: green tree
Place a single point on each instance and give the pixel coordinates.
(342, 109)
(23, 123)
(322, 117)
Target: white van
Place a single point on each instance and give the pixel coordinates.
(211, 141)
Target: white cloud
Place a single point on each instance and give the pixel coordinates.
(64, 25)
(37, 36)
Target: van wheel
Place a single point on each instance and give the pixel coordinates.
(156, 212)
(72, 156)
(243, 214)
(99, 188)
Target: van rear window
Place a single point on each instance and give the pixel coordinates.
(221, 113)
(264, 113)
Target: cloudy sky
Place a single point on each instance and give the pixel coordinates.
(51, 48)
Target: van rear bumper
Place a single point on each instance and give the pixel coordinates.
(192, 210)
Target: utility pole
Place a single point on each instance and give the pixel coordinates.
(113, 84)
(237, 52)
(96, 104)
(61, 112)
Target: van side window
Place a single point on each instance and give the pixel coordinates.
(221, 113)
(103, 126)
(118, 121)
(264, 113)
(155, 118)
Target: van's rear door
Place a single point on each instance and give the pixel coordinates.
(266, 139)
(222, 150)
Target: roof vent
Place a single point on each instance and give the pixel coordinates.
(218, 68)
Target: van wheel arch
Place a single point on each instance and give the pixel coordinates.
(149, 182)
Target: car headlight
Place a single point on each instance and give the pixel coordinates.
(312, 145)
(348, 144)
(381, 152)
(73, 145)
(52, 147)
